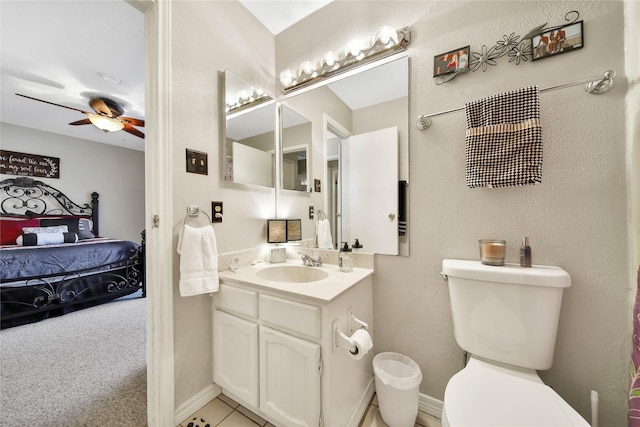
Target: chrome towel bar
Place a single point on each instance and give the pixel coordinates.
(594, 85)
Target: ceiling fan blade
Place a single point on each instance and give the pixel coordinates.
(81, 122)
(100, 107)
(57, 105)
(132, 121)
(133, 131)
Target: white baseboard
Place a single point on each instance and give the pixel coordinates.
(430, 405)
(427, 404)
(361, 409)
(196, 402)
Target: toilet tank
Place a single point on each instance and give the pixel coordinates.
(507, 313)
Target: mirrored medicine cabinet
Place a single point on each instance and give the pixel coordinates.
(365, 126)
(249, 137)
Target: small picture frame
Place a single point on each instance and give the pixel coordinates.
(452, 61)
(556, 41)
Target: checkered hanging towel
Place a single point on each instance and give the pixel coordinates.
(504, 140)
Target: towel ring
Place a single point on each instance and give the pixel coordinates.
(194, 212)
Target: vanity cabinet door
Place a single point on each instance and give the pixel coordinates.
(235, 356)
(289, 378)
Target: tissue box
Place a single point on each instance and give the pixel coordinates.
(277, 255)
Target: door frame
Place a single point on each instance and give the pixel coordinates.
(158, 213)
(332, 125)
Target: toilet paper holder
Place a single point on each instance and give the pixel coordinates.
(340, 340)
(355, 323)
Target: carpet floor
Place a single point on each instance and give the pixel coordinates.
(86, 368)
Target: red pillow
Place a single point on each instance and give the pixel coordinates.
(11, 228)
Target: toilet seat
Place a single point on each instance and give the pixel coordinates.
(484, 394)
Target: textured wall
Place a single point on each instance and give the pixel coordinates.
(576, 218)
(207, 38)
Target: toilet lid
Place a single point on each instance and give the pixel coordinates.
(477, 396)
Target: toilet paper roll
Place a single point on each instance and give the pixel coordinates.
(362, 342)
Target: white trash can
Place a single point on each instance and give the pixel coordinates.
(397, 380)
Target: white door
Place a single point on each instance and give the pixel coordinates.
(289, 378)
(235, 356)
(373, 190)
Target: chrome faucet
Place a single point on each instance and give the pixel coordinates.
(311, 261)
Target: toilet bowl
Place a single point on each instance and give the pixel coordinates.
(492, 395)
(506, 318)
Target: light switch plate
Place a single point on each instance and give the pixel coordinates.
(197, 162)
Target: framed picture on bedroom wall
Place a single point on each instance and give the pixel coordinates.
(26, 164)
(450, 62)
(555, 41)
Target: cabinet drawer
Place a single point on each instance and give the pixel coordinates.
(238, 300)
(291, 315)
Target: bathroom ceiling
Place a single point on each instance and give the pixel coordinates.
(278, 15)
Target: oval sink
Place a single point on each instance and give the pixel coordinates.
(292, 274)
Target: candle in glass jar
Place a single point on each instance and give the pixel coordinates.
(492, 252)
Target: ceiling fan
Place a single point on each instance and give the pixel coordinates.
(107, 117)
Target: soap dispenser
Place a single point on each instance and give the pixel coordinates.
(345, 262)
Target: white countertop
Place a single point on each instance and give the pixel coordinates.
(324, 290)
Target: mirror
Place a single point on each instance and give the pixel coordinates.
(295, 148)
(364, 119)
(249, 149)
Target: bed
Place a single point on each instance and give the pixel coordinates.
(53, 260)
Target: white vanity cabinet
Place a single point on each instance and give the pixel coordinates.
(289, 378)
(236, 356)
(274, 353)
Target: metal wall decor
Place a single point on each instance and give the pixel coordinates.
(518, 49)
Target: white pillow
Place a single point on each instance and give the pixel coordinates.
(39, 239)
(52, 229)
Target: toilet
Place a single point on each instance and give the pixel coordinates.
(506, 318)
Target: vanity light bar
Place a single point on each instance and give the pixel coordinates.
(385, 42)
(244, 99)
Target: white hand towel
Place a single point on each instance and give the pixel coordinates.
(324, 234)
(198, 261)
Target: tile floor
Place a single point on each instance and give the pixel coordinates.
(225, 412)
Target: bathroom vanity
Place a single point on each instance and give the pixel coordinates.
(276, 343)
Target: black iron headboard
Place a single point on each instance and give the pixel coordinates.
(26, 196)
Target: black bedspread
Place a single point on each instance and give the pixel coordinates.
(47, 281)
(27, 262)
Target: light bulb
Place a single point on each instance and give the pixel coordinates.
(354, 48)
(287, 78)
(308, 67)
(330, 59)
(386, 35)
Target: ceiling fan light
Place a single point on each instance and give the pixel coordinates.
(106, 124)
